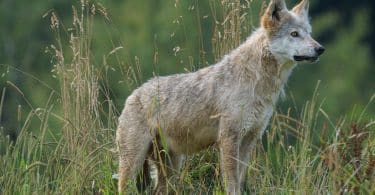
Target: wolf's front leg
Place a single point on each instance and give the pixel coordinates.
(247, 144)
(229, 155)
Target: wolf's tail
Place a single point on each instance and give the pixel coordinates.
(144, 177)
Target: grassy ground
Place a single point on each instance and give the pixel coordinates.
(307, 154)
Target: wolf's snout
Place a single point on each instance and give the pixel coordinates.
(320, 50)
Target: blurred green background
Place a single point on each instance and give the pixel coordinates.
(174, 36)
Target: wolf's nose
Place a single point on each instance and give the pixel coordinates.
(320, 50)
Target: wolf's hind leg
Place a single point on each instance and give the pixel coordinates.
(134, 140)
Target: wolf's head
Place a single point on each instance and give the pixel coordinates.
(289, 32)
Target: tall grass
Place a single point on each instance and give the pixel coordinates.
(307, 154)
(78, 157)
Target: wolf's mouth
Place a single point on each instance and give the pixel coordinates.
(306, 58)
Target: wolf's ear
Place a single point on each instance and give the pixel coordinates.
(302, 9)
(272, 16)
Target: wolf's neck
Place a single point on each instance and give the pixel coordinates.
(254, 58)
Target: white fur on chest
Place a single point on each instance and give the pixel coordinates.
(255, 102)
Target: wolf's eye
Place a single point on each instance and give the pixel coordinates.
(294, 34)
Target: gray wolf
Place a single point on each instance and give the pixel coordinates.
(227, 104)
